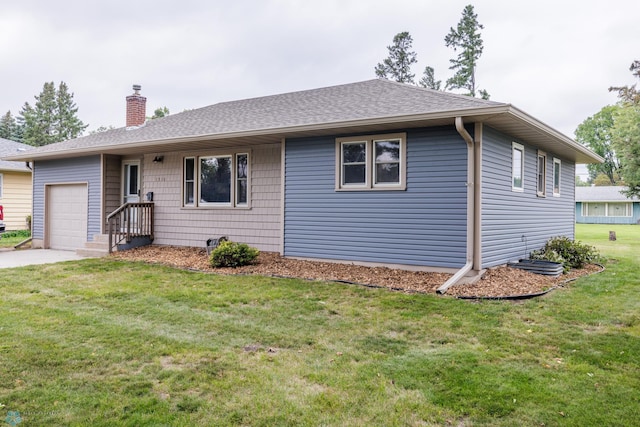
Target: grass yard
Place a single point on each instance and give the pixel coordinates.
(12, 238)
(110, 343)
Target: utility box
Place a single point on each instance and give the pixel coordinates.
(213, 243)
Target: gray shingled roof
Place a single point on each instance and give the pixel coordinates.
(601, 194)
(367, 106)
(10, 148)
(370, 99)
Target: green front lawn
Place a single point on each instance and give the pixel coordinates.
(109, 343)
(11, 238)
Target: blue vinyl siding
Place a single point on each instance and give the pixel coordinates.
(425, 225)
(634, 219)
(76, 170)
(515, 223)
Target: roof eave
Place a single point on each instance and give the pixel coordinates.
(584, 155)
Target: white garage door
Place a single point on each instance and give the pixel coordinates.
(67, 216)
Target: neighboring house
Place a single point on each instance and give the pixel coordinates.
(606, 205)
(15, 186)
(373, 173)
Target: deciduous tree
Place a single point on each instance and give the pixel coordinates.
(625, 135)
(596, 133)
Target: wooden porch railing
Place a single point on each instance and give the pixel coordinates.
(128, 221)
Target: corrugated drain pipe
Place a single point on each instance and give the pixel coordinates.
(470, 209)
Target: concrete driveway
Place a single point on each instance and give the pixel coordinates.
(18, 258)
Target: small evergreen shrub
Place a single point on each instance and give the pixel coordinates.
(232, 254)
(570, 253)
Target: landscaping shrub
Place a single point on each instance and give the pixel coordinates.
(232, 254)
(570, 253)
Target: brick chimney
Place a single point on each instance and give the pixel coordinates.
(136, 108)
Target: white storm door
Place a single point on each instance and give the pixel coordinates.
(131, 193)
(131, 180)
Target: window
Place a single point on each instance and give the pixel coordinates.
(517, 167)
(620, 209)
(242, 183)
(541, 189)
(221, 180)
(557, 167)
(189, 181)
(376, 162)
(1, 185)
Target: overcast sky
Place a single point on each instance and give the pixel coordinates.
(552, 59)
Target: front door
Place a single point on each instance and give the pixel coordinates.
(131, 192)
(131, 180)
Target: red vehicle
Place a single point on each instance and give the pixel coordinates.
(1, 219)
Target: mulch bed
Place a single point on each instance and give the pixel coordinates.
(496, 282)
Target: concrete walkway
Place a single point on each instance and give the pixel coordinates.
(17, 258)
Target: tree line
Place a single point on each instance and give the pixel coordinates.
(52, 118)
(464, 39)
(614, 134)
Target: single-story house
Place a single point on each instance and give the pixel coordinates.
(15, 186)
(374, 173)
(606, 205)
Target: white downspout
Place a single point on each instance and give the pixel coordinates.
(470, 208)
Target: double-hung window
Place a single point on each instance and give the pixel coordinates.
(375, 162)
(216, 181)
(517, 167)
(557, 167)
(541, 189)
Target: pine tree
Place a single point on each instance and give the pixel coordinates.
(67, 123)
(52, 118)
(397, 66)
(428, 79)
(466, 38)
(8, 126)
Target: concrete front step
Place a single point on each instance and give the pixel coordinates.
(93, 252)
(97, 245)
(102, 238)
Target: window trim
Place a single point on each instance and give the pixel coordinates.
(558, 162)
(247, 178)
(193, 181)
(519, 147)
(1, 185)
(233, 203)
(370, 163)
(542, 159)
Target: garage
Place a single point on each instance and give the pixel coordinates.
(66, 213)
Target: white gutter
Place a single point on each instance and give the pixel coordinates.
(470, 209)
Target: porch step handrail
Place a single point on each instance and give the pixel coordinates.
(128, 221)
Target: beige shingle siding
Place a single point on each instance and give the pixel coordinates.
(258, 226)
(16, 199)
